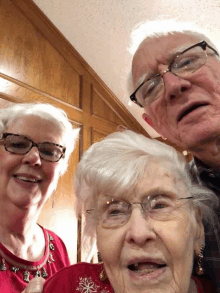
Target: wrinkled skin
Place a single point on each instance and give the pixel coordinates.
(199, 131)
(145, 240)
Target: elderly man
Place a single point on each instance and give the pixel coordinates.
(176, 79)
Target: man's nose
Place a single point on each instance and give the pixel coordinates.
(32, 157)
(174, 86)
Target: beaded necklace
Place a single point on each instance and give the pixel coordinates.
(37, 271)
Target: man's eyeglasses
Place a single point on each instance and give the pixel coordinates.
(183, 65)
(115, 213)
(21, 145)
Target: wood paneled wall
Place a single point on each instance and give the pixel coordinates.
(38, 64)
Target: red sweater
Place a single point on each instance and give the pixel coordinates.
(11, 282)
(84, 277)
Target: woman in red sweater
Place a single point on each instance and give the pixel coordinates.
(146, 214)
(36, 141)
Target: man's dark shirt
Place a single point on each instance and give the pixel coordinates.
(211, 179)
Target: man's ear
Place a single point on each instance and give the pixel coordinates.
(149, 122)
(147, 119)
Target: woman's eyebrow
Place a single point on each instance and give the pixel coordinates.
(104, 199)
(159, 190)
(22, 135)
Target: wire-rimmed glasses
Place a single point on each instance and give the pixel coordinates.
(115, 213)
(183, 65)
(21, 145)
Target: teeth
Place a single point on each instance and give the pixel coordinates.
(145, 267)
(27, 179)
(147, 271)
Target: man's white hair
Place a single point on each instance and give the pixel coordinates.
(156, 29)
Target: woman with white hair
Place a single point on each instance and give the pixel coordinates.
(146, 215)
(36, 141)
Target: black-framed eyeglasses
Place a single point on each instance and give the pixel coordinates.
(183, 65)
(21, 145)
(115, 213)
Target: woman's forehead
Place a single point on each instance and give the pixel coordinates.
(35, 127)
(159, 177)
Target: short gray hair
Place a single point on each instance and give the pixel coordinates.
(114, 166)
(45, 111)
(156, 29)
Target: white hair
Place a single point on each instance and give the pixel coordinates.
(117, 163)
(148, 30)
(45, 111)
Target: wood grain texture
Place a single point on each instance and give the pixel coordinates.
(37, 64)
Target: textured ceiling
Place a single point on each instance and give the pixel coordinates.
(99, 31)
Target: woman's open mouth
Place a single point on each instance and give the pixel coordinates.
(144, 268)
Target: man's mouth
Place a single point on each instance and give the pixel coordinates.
(146, 267)
(189, 110)
(27, 179)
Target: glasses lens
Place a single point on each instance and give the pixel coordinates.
(161, 207)
(114, 213)
(17, 144)
(189, 62)
(50, 152)
(150, 91)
